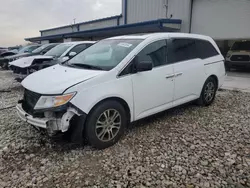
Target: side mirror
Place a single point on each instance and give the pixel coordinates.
(64, 59)
(72, 54)
(142, 66)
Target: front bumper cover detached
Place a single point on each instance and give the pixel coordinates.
(37, 122)
(51, 121)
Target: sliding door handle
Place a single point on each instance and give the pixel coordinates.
(178, 74)
(170, 76)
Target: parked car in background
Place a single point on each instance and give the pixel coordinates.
(4, 61)
(239, 55)
(14, 49)
(2, 50)
(39, 51)
(62, 52)
(10, 51)
(97, 93)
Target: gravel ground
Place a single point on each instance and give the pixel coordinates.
(188, 147)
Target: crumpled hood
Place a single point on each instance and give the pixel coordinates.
(56, 79)
(27, 61)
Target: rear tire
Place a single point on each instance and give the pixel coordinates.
(106, 124)
(208, 92)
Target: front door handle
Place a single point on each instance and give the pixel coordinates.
(178, 74)
(170, 76)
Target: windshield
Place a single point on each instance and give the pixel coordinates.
(105, 54)
(58, 50)
(41, 48)
(27, 49)
(241, 46)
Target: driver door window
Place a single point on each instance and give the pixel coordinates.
(155, 52)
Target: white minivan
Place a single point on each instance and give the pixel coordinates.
(96, 94)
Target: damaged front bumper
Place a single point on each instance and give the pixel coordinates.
(51, 120)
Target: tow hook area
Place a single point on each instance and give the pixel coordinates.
(60, 123)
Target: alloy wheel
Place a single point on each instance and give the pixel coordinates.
(108, 125)
(209, 92)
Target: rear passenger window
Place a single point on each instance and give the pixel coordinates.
(181, 50)
(205, 49)
(187, 49)
(155, 52)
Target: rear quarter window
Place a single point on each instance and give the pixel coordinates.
(205, 49)
(183, 49)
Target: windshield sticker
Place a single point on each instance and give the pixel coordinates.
(126, 45)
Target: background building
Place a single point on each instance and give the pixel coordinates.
(224, 20)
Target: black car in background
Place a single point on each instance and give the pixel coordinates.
(4, 61)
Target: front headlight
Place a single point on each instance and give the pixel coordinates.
(53, 101)
(228, 55)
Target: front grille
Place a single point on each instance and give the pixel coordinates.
(240, 58)
(29, 101)
(18, 70)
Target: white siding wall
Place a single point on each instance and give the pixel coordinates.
(145, 10)
(180, 9)
(222, 19)
(45, 42)
(98, 25)
(68, 29)
(83, 27)
(73, 39)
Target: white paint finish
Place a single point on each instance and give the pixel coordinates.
(44, 42)
(104, 86)
(145, 10)
(51, 84)
(27, 61)
(222, 19)
(98, 25)
(189, 80)
(145, 93)
(153, 92)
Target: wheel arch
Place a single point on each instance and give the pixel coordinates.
(216, 79)
(118, 99)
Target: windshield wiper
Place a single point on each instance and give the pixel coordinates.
(93, 67)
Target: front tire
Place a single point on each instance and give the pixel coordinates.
(106, 124)
(208, 92)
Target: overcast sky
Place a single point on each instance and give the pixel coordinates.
(20, 19)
